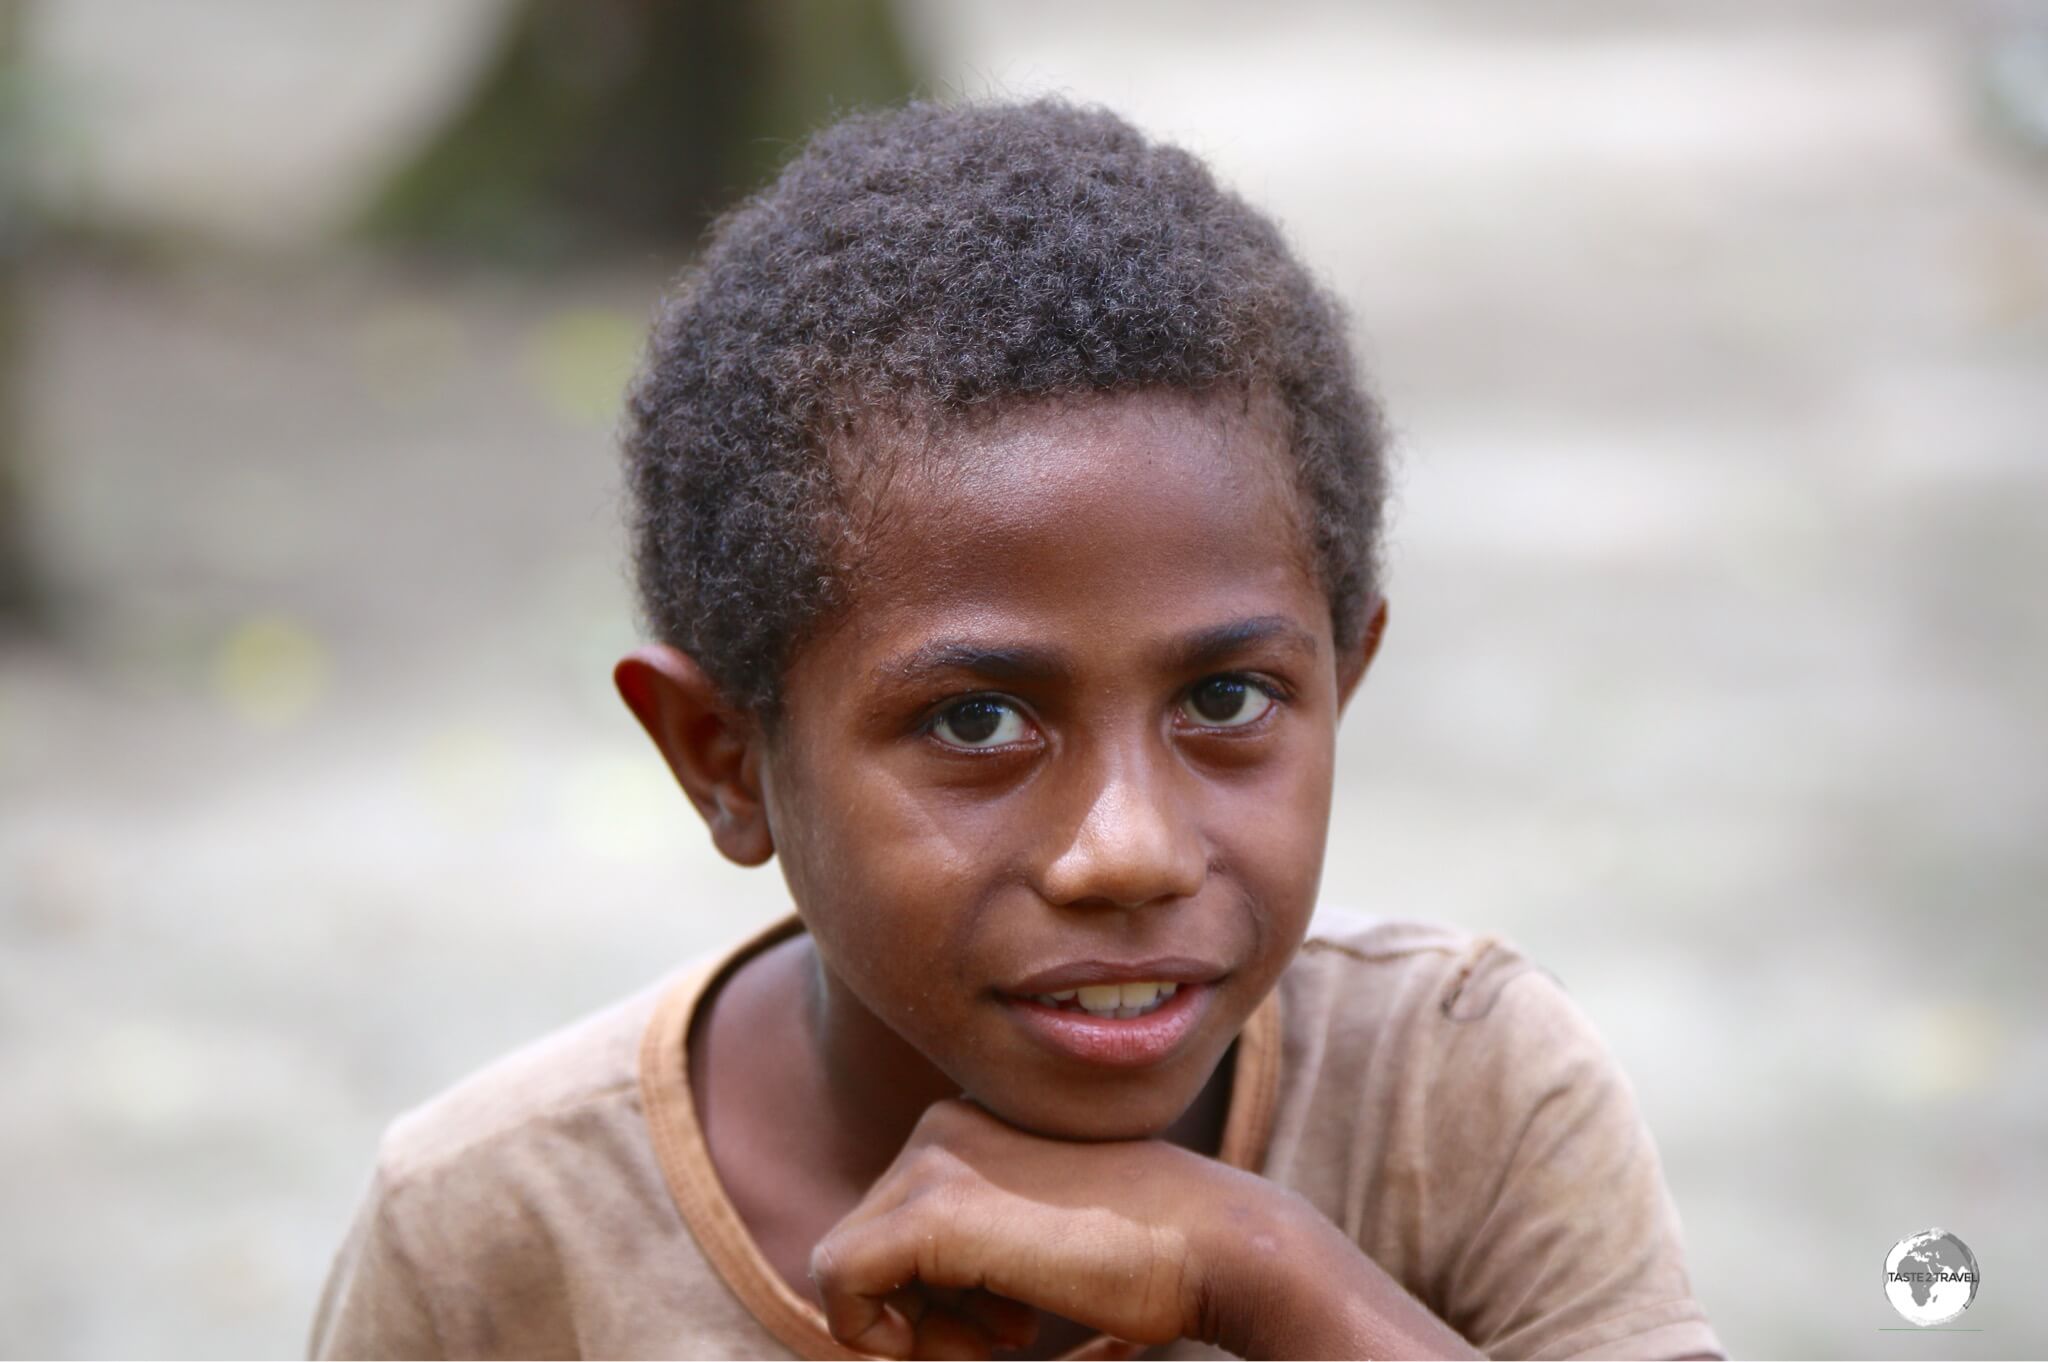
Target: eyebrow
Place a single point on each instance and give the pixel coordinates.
(1213, 646)
(976, 659)
(1026, 664)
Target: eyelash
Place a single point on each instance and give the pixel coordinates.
(1265, 685)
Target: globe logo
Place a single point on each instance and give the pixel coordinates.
(1930, 1277)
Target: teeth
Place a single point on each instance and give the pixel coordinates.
(1113, 1000)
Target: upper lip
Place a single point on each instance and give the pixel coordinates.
(1172, 969)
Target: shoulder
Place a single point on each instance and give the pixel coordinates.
(486, 1196)
(1414, 980)
(1454, 1037)
(546, 1081)
(1481, 1141)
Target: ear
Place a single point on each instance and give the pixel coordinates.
(714, 749)
(1352, 667)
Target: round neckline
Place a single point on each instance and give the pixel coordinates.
(684, 1154)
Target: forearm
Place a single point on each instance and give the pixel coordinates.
(1319, 1296)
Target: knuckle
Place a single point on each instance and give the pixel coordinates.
(936, 1167)
(954, 1117)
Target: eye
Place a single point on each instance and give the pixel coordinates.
(983, 721)
(1227, 702)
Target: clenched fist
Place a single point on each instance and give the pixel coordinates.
(976, 1226)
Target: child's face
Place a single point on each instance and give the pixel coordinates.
(1075, 726)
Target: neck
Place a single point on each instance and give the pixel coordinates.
(875, 1084)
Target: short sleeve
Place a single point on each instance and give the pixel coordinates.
(1565, 1242)
(373, 1305)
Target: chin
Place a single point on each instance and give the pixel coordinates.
(1084, 1117)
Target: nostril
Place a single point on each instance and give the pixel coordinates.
(1130, 844)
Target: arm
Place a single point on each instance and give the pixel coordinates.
(1555, 1234)
(1140, 1239)
(1317, 1295)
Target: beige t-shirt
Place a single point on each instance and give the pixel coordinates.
(1435, 1095)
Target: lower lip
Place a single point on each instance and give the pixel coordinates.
(1129, 1043)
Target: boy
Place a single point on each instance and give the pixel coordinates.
(1007, 510)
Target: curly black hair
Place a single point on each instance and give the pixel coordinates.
(938, 262)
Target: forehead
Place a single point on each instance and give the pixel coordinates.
(1078, 515)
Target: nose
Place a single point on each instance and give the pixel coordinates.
(1132, 842)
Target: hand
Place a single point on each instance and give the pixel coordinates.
(977, 1223)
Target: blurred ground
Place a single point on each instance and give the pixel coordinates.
(1717, 344)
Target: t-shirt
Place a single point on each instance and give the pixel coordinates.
(1437, 1097)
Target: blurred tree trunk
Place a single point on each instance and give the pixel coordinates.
(615, 122)
(20, 597)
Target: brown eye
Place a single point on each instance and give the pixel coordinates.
(1226, 702)
(983, 721)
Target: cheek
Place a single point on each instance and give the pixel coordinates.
(1285, 789)
(868, 849)
(881, 879)
(1273, 828)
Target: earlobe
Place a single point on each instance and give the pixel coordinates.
(712, 748)
(1351, 669)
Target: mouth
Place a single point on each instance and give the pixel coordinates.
(1106, 1001)
(1126, 1025)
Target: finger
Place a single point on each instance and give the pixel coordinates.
(1012, 1324)
(912, 1302)
(866, 1300)
(855, 1287)
(944, 1334)
(889, 1335)
(859, 1268)
(939, 1314)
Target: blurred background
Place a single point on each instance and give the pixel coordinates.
(1716, 336)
